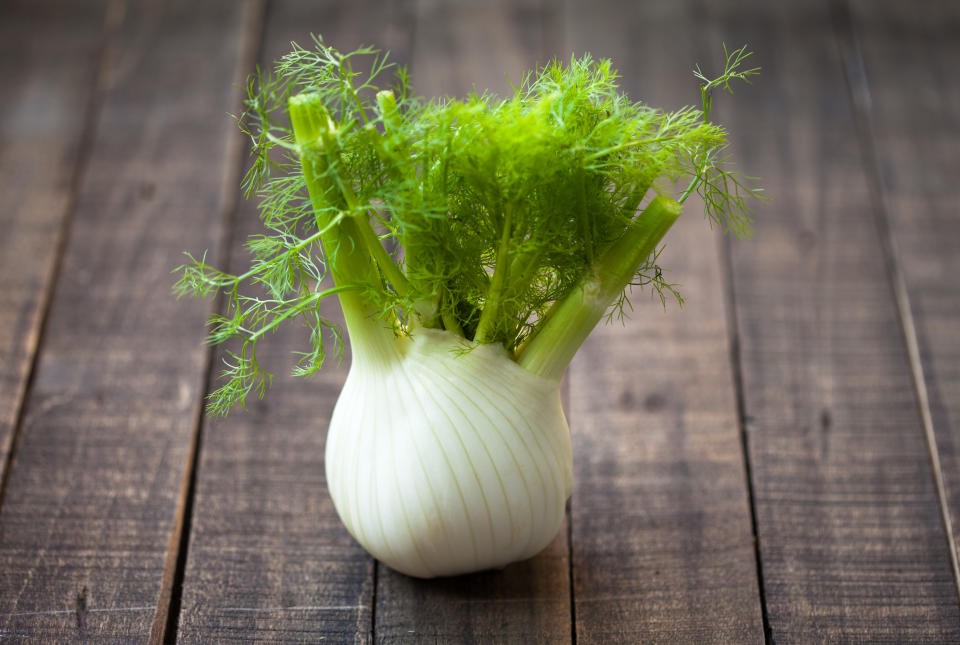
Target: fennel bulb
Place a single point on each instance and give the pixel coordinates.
(441, 461)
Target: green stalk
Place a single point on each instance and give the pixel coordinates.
(426, 307)
(495, 293)
(351, 259)
(568, 323)
(450, 322)
(368, 236)
(391, 272)
(523, 269)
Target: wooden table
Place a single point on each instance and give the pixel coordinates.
(779, 461)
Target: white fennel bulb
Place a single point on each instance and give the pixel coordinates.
(442, 461)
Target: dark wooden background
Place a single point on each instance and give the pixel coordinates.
(779, 461)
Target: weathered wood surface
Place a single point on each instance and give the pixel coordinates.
(852, 127)
(851, 542)
(93, 490)
(662, 538)
(49, 60)
(911, 95)
(459, 47)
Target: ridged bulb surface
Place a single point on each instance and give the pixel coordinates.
(442, 462)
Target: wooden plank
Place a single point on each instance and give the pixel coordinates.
(49, 57)
(910, 94)
(852, 546)
(91, 501)
(460, 47)
(662, 537)
(268, 558)
(463, 45)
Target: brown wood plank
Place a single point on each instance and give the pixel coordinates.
(662, 537)
(852, 546)
(910, 95)
(268, 558)
(460, 47)
(49, 57)
(91, 501)
(463, 45)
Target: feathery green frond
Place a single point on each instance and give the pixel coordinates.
(478, 215)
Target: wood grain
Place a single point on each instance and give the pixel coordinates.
(91, 499)
(911, 104)
(49, 59)
(850, 535)
(662, 538)
(268, 558)
(460, 47)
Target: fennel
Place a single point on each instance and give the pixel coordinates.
(514, 227)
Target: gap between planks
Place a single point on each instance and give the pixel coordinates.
(736, 370)
(167, 611)
(858, 86)
(728, 283)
